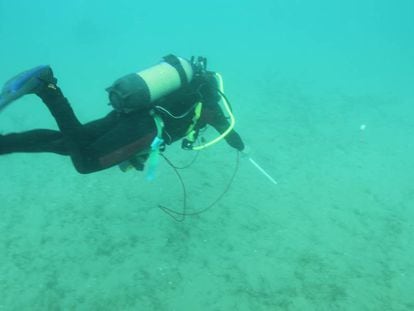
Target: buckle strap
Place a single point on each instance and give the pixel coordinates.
(175, 62)
(156, 146)
(159, 123)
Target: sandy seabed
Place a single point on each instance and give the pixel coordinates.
(334, 234)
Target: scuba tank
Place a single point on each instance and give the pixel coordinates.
(137, 91)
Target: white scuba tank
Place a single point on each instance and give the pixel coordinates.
(137, 91)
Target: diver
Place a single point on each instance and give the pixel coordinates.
(170, 101)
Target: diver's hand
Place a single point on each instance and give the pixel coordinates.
(245, 152)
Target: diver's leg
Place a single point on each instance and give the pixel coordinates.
(61, 110)
(33, 141)
(76, 136)
(73, 138)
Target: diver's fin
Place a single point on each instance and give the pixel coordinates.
(24, 83)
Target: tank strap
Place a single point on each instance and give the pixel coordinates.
(159, 123)
(157, 146)
(175, 62)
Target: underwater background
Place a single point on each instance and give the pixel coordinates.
(323, 95)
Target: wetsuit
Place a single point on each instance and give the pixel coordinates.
(118, 136)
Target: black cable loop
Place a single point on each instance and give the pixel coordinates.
(180, 216)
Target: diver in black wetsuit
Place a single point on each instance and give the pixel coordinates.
(128, 134)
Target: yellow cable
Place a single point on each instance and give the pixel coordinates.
(232, 119)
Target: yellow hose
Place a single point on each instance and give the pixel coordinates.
(232, 119)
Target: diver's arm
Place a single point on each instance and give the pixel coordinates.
(213, 115)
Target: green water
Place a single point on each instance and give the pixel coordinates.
(322, 93)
